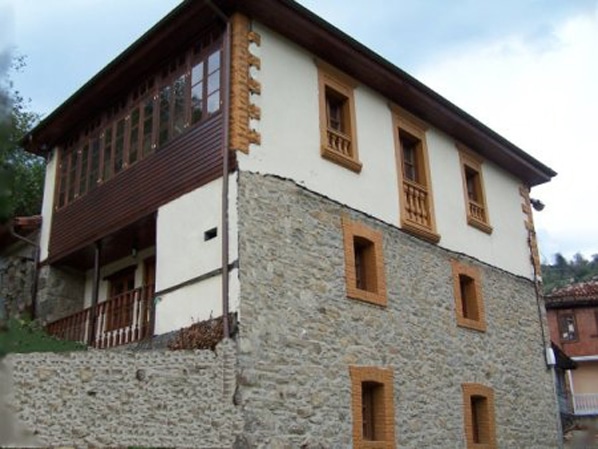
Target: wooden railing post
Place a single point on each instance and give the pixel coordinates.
(95, 293)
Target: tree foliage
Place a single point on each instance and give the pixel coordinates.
(21, 173)
(563, 272)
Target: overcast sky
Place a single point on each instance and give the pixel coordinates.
(526, 68)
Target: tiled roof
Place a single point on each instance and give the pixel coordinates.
(21, 225)
(579, 293)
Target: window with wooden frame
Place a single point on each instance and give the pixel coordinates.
(417, 205)
(469, 304)
(119, 308)
(372, 399)
(478, 416)
(364, 263)
(473, 187)
(567, 326)
(184, 92)
(337, 118)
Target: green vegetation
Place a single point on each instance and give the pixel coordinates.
(21, 336)
(563, 272)
(21, 173)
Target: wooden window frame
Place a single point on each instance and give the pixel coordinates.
(473, 273)
(561, 315)
(351, 231)
(384, 413)
(480, 431)
(416, 218)
(331, 80)
(481, 219)
(68, 177)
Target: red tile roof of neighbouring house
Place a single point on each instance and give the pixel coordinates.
(578, 294)
(22, 226)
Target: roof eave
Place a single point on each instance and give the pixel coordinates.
(323, 40)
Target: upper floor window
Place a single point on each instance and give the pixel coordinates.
(473, 184)
(184, 92)
(417, 206)
(364, 263)
(567, 326)
(337, 118)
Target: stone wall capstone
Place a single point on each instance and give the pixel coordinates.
(299, 333)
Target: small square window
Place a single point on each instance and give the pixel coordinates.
(373, 407)
(469, 305)
(364, 263)
(478, 415)
(567, 326)
(473, 184)
(337, 118)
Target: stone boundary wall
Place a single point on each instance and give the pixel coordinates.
(300, 334)
(106, 398)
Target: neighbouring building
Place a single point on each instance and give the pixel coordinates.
(374, 241)
(573, 320)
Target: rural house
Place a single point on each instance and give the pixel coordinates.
(374, 241)
(572, 313)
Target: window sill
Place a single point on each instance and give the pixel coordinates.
(482, 226)
(479, 326)
(340, 159)
(374, 445)
(420, 231)
(378, 299)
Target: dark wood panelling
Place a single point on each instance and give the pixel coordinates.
(191, 160)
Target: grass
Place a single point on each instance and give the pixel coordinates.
(21, 336)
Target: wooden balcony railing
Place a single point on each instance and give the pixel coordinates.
(417, 204)
(122, 319)
(339, 143)
(585, 404)
(477, 211)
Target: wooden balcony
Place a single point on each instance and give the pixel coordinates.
(417, 204)
(585, 404)
(339, 143)
(120, 320)
(477, 211)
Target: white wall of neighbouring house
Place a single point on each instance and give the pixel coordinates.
(48, 204)
(585, 378)
(290, 148)
(188, 287)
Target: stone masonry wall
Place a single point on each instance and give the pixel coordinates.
(61, 292)
(299, 333)
(123, 398)
(16, 276)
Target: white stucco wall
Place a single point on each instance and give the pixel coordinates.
(182, 256)
(290, 147)
(507, 246)
(48, 204)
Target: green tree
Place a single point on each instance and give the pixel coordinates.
(21, 173)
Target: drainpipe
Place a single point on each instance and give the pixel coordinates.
(549, 357)
(225, 167)
(94, 293)
(36, 256)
